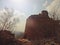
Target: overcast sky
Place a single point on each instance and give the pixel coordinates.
(26, 6)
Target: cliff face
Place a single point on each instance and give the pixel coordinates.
(39, 27)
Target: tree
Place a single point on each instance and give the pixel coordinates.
(8, 19)
(54, 9)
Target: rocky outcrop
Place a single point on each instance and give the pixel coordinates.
(40, 26)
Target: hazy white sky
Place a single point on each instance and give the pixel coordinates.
(26, 6)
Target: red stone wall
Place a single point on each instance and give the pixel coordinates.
(39, 27)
